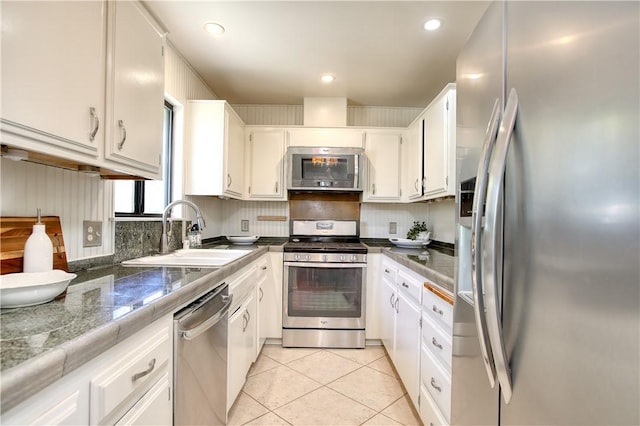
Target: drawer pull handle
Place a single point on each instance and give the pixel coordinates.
(435, 386)
(140, 375)
(405, 285)
(436, 310)
(387, 271)
(264, 268)
(435, 343)
(123, 132)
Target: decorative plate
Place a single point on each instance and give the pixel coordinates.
(243, 240)
(32, 288)
(406, 243)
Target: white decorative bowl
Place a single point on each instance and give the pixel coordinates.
(243, 240)
(407, 243)
(32, 288)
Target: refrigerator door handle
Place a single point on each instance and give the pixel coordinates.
(491, 263)
(476, 242)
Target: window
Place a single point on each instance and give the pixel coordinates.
(148, 197)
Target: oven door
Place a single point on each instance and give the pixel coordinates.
(324, 295)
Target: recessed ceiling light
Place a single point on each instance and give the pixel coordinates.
(327, 78)
(432, 24)
(213, 28)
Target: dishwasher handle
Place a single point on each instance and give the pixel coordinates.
(194, 332)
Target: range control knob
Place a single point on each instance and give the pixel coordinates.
(324, 257)
(343, 258)
(354, 258)
(296, 257)
(307, 257)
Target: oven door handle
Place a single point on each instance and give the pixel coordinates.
(328, 265)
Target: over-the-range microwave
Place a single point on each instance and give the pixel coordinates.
(324, 169)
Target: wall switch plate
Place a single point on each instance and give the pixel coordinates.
(91, 233)
(393, 227)
(244, 225)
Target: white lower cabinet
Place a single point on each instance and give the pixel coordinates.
(415, 328)
(270, 298)
(400, 302)
(243, 330)
(435, 357)
(131, 383)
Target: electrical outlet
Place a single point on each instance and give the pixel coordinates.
(244, 225)
(393, 227)
(91, 233)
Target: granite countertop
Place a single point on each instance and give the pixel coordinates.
(434, 262)
(105, 305)
(102, 307)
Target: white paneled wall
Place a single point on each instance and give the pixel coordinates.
(271, 115)
(293, 115)
(375, 218)
(234, 211)
(180, 80)
(73, 196)
(375, 116)
(442, 220)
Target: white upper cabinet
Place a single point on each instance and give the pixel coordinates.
(412, 161)
(440, 144)
(83, 82)
(135, 89)
(53, 77)
(382, 149)
(329, 137)
(214, 150)
(266, 164)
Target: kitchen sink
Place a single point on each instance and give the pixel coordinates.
(209, 258)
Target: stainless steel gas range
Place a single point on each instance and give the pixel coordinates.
(324, 285)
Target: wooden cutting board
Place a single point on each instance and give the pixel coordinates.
(14, 232)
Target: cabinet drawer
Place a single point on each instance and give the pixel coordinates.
(409, 286)
(130, 375)
(389, 271)
(154, 408)
(437, 341)
(438, 309)
(429, 412)
(437, 381)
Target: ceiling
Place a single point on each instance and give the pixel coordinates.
(274, 52)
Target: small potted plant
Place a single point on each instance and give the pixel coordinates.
(418, 231)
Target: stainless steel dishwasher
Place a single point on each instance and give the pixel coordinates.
(200, 361)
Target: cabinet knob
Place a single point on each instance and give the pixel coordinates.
(405, 285)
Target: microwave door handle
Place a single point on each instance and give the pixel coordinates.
(476, 243)
(492, 241)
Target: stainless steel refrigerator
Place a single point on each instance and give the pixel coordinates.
(546, 316)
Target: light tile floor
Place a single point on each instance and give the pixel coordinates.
(289, 386)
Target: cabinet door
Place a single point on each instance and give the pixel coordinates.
(233, 154)
(236, 355)
(407, 356)
(266, 165)
(383, 171)
(412, 161)
(53, 71)
(251, 332)
(388, 316)
(439, 145)
(135, 89)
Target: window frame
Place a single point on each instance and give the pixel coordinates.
(139, 185)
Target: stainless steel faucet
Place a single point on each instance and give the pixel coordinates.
(164, 240)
